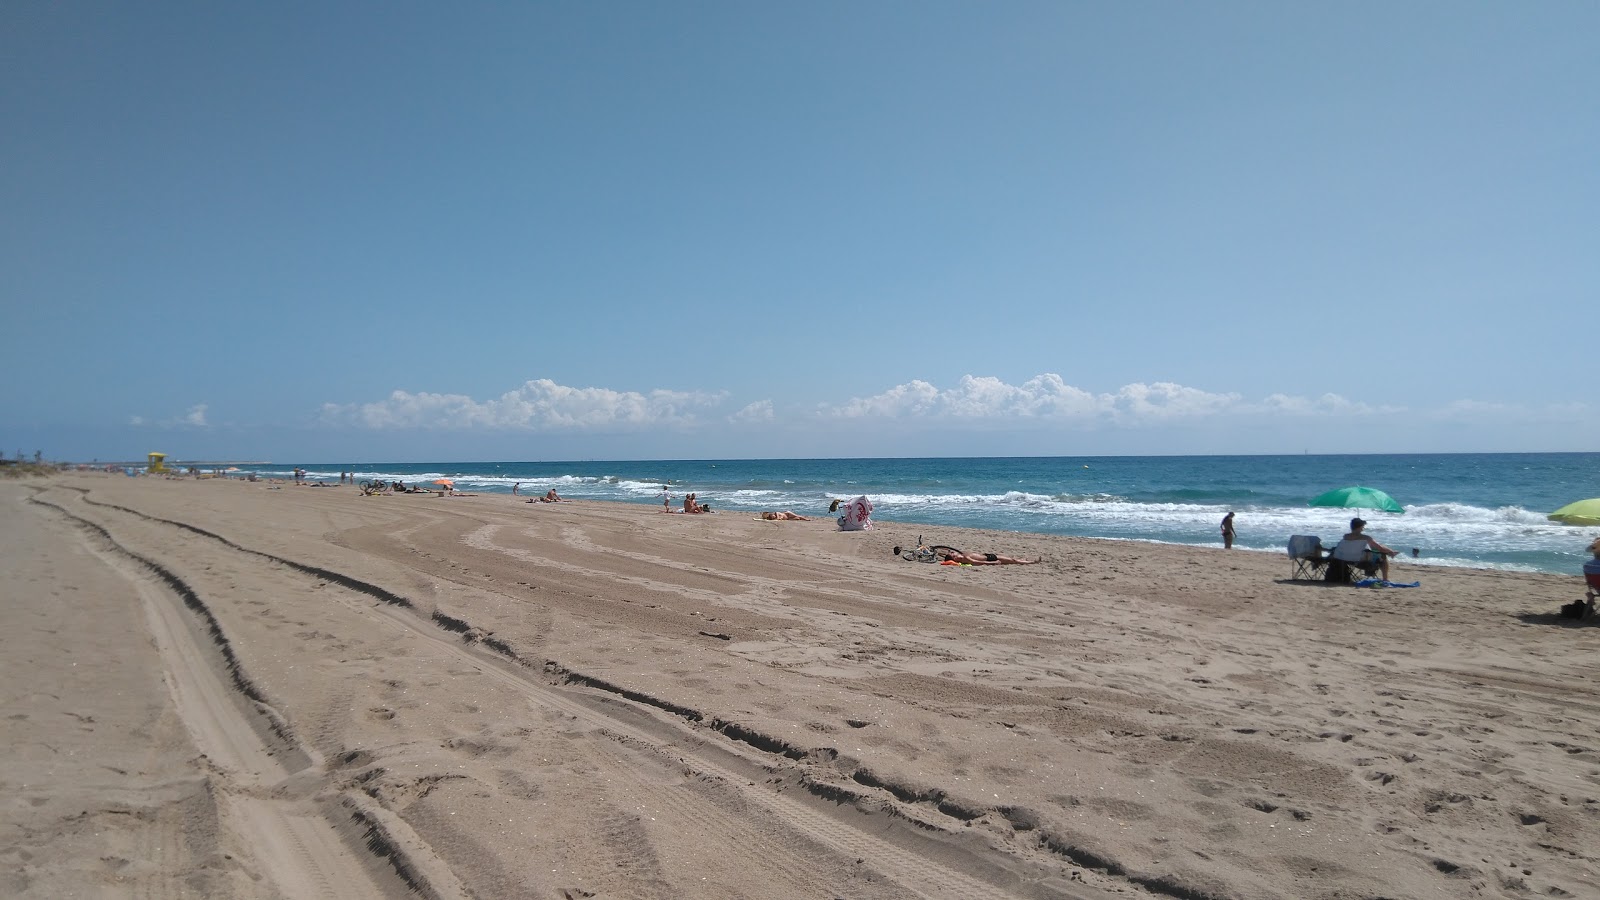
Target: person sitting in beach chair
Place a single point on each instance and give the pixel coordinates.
(1307, 555)
(1359, 551)
(857, 515)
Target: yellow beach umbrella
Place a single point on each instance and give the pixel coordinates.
(1584, 512)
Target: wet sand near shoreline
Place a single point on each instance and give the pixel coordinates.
(223, 688)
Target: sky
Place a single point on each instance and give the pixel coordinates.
(639, 230)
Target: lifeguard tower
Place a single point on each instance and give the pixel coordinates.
(158, 464)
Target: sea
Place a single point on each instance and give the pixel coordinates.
(1472, 510)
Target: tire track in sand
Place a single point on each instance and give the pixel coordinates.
(251, 753)
(912, 854)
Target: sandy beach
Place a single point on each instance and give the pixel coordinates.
(231, 689)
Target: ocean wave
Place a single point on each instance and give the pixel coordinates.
(1170, 500)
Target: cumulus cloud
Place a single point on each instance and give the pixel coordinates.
(1047, 398)
(1327, 404)
(759, 411)
(196, 416)
(541, 404)
(1165, 400)
(1044, 400)
(1042, 397)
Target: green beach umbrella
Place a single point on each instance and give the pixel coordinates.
(1584, 512)
(1358, 497)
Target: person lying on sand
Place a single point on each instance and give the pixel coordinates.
(983, 559)
(784, 516)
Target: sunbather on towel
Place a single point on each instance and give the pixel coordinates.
(983, 559)
(784, 516)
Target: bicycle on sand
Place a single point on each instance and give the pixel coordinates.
(924, 552)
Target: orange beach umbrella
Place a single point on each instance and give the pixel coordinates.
(444, 481)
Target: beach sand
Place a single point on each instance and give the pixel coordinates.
(231, 689)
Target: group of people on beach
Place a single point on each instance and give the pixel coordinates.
(550, 496)
(1376, 561)
(948, 555)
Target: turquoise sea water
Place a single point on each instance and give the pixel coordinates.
(1479, 510)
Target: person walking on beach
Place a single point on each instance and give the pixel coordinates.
(516, 489)
(1227, 531)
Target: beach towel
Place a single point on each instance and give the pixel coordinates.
(857, 515)
(1379, 582)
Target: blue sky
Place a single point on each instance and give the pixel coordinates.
(407, 231)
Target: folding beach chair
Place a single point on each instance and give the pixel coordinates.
(1350, 557)
(1307, 557)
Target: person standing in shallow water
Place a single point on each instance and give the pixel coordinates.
(1227, 531)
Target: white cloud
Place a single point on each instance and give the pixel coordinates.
(1043, 402)
(194, 418)
(1327, 404)
(1165, 400)
(916, 398)
(1042, 397)
(759, 411)
(540, 404)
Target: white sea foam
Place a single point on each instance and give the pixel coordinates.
(1445, 532)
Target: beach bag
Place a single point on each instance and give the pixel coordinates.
(857, 515)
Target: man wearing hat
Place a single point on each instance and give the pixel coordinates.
(1383, 553)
